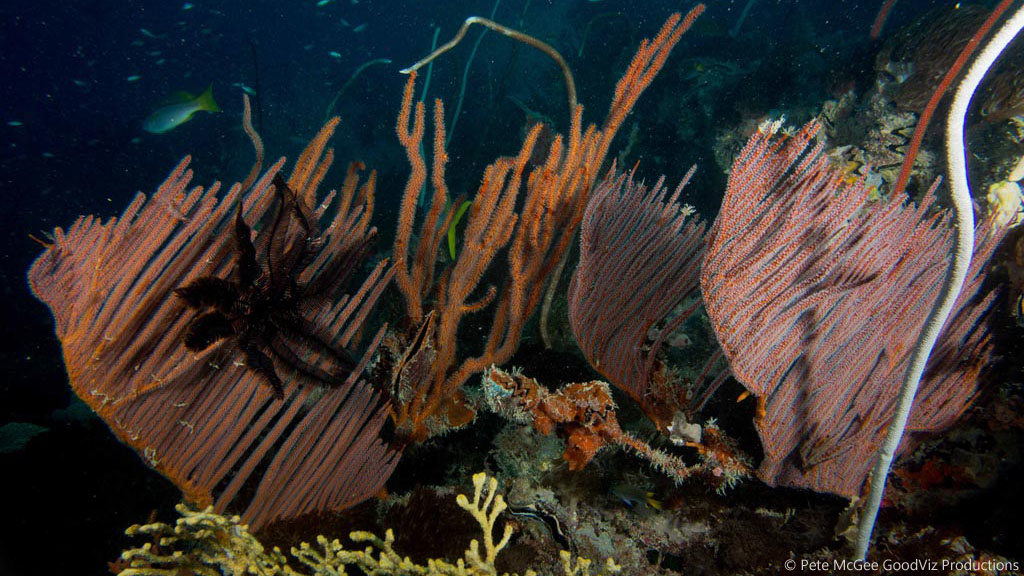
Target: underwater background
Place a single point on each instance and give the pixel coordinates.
(81, 77)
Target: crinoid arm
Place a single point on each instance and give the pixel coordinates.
(293, 242)
(206, 329)
(259, 362)
(248, 269)
(208, 292)
(338, 363)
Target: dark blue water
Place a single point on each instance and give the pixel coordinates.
(78, 78)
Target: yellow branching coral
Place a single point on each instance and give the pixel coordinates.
(486, 515)
(582, 566)
(208, 544)
(201, 542)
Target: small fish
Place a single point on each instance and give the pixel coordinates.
(187, 6)
(149, 34)
(360, 28)
(133, 78)
(323, 3)
(81, 83)
(334, 54)
(635, 497)
(15, 123)
(180, 110)
(247, 89)
(851, 171)
(344, 22)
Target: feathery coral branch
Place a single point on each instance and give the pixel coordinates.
(204, 419)
(817, 297)
(640, 258)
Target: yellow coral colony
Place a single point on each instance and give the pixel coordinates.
(205, 543)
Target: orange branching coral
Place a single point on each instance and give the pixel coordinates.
(530, 213)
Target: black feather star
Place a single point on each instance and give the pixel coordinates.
(260, 308)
